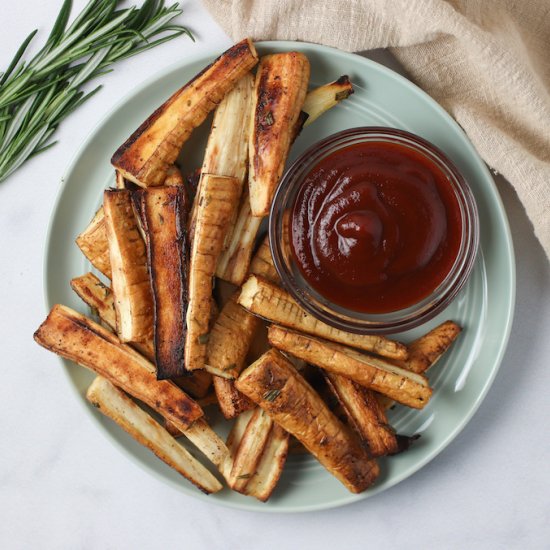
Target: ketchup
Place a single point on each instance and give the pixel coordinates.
(375, 227)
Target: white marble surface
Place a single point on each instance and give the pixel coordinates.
(63, 484)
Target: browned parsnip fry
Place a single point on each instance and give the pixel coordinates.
(164, 215)
(234, 261)
(262, 484)
(377, 374)
(232, 402)
(79, 339)
(116, 405)
(321, 99)
(230, 339)
(250, 450)
(366, 416)
(227, 348)
(275, 304)
(234, 439)
(280, 91)
(94, 244)
(174, 178)
(275, 385)
(262, 263)
(146, 155)
(216, 195)
(130, 277)
(425, 351)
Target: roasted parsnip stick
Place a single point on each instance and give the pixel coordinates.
(130, 277)
(365, 414)
(262, 484)
(94, 244)
(250, 450)
(147, 154)
(379, 375)
(425, 351)
(262, 263)
(280, 91)
(321, 99)
(275, 385)
(164, 215)
(83, 341)
(116, 405)
(275, 304)
(213, 216)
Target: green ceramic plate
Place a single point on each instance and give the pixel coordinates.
(484, 308)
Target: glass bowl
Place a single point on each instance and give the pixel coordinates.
(340, 317)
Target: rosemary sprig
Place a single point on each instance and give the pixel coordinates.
(37, 94)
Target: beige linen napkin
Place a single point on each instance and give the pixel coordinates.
(486, 61)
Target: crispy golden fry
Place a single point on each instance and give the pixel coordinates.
(174, 178)
(280, 91)
(208, 441)
(379, 375)
(250, 450)
(216, 194)
(98, 296)
(425, 351)
(79, 339)
(94, 244)
(130, 277)
(116, 405)
(275, 385)
(164, 214)
(230, 339)
(147, 154)
(321, 99)
(235, 259)
(232, 402)
(227, 148)
(268, 471)
(275, 304)
(366, 416)
(262, 263)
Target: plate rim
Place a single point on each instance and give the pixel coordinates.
(510, 257)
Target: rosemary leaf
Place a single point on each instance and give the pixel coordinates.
(37, 94)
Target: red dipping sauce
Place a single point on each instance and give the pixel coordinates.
(375, 227)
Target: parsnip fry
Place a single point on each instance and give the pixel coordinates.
(400, 384)
(425, 351)
(230, 338)
(250, 450)
(366, 416)
(232, 402)
(83, 341)
(130, 277)
(275, 385)
(164, 211)
(269, 470)
(147, 154)
(174, 178)
(275, 304)
(321, 99)
(213, 216)
(262, 263)
(94, 244)
(280, 91)
(235, 259)
(234, 439)
(208, 441)
(116, 405)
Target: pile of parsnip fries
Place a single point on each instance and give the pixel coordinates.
(163, 339)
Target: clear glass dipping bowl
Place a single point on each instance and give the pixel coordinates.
(333, 314)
